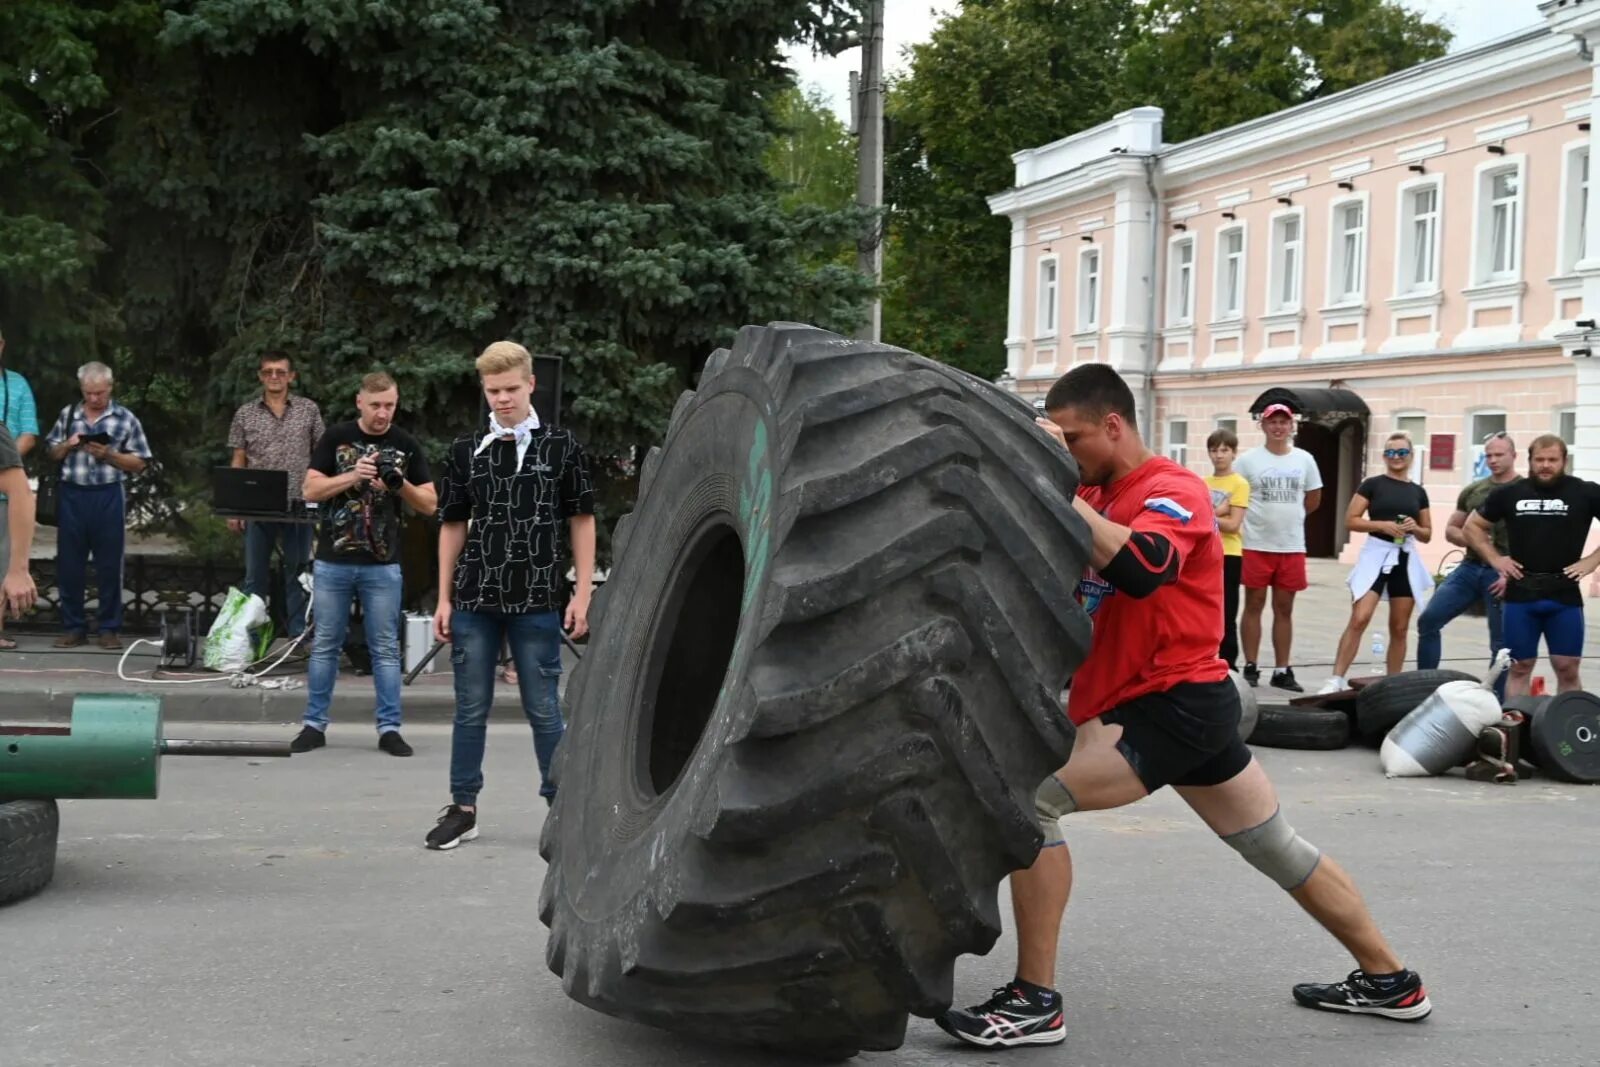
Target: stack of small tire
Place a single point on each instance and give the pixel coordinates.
(821, 690)
(1309, 728)
(28, 831)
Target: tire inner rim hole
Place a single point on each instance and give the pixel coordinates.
(690, 655)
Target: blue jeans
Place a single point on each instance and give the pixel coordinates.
(91, 521)
(334, 586)
(535, 641)
(295, 537)
(1467, 583)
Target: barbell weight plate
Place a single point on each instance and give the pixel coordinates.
(1564, 734)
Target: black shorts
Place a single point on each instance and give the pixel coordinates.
(1397, 581)
(1186, 735)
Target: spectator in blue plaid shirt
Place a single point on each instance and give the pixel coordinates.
(98, 443)
(21, 419)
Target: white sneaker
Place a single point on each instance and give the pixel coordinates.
(1335, 684)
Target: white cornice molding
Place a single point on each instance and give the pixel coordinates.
(1526, 58)
(1094, 179)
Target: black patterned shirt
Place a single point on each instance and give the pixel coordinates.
(515, 517)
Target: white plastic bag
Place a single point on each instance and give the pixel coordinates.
(228, 645)
(1442, 731)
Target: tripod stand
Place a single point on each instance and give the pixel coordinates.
(437, 645)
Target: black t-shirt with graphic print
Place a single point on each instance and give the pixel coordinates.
(1389, 498)
(516, 518)
(362, 525)
(1547, 527)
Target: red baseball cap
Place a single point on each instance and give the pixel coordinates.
(1277, 409)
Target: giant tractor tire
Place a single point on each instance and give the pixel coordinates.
(823, 685)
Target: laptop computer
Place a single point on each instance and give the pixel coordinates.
(247, 491)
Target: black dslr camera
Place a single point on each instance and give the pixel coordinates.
(389, 472)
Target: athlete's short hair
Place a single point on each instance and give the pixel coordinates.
(1093, 389)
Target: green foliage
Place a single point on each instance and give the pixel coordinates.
(1004, 75)
(813, 156)
(395, 185)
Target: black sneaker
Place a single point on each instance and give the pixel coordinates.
(1360, 995)
(1011, 1017)
(307, 739)
(455, 826)
(1252, 674)
(394, 744)
(1284, 679)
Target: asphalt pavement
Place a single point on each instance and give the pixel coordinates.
(283, 913)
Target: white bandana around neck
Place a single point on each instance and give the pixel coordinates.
(522, 431)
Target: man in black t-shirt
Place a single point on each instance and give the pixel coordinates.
(1547, 517)
(361, 474)
(507, 491)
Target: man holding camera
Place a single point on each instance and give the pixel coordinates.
(361, 473)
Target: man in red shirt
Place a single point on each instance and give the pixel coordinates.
(1154, 707)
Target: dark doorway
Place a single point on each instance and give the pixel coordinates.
(1338, 450)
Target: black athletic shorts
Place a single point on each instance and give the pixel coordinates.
(1186, 735)
(1397, 581)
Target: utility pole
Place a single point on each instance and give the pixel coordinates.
(867, 110)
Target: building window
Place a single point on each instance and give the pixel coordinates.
(1484, 425)
(1049, 296)
(1229, 423)
(1348, 276)
(1567, 430)
(1180, 285)
(1498, 255)
(1178, 441)
(1230, 273)
(1417, 427)
(1419, 239)
(1288, 246)
(1089, 290)
(1575, 208)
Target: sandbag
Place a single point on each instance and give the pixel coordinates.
(228, 644)
(1442, 731)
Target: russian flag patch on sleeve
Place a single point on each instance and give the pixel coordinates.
(1163, 505)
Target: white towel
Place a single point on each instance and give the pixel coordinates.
(1379, 556)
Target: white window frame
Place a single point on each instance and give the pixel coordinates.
(1181, 315)
(1405, 283)
(1090, 288)
(1483, 272)
(1566, 411)
(1275, 269)
(1178, 452)
(1574, 206)
(1337, 260)
(1419, 441)
(1047, 313)
(1474, 436)
(1227, 422)
(1219, 312)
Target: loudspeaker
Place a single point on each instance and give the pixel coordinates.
(547, 389)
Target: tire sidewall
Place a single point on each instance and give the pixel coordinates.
(717, 463)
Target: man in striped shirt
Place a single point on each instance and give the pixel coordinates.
(98, 443)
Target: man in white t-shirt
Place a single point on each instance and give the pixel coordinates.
(1285, 487)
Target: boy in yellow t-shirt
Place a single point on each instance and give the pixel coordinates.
(1230, 495)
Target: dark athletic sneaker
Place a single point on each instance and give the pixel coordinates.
(1360, 995)
(1284, 679)
(307, 739)
(1009, 1018)
(454, 827)
(394, 744)
(1252, 674)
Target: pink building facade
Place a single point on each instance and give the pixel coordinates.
(1418, 253)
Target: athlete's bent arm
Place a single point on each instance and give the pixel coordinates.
(1136, 562)
(1453, 531)
(1477, 532)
